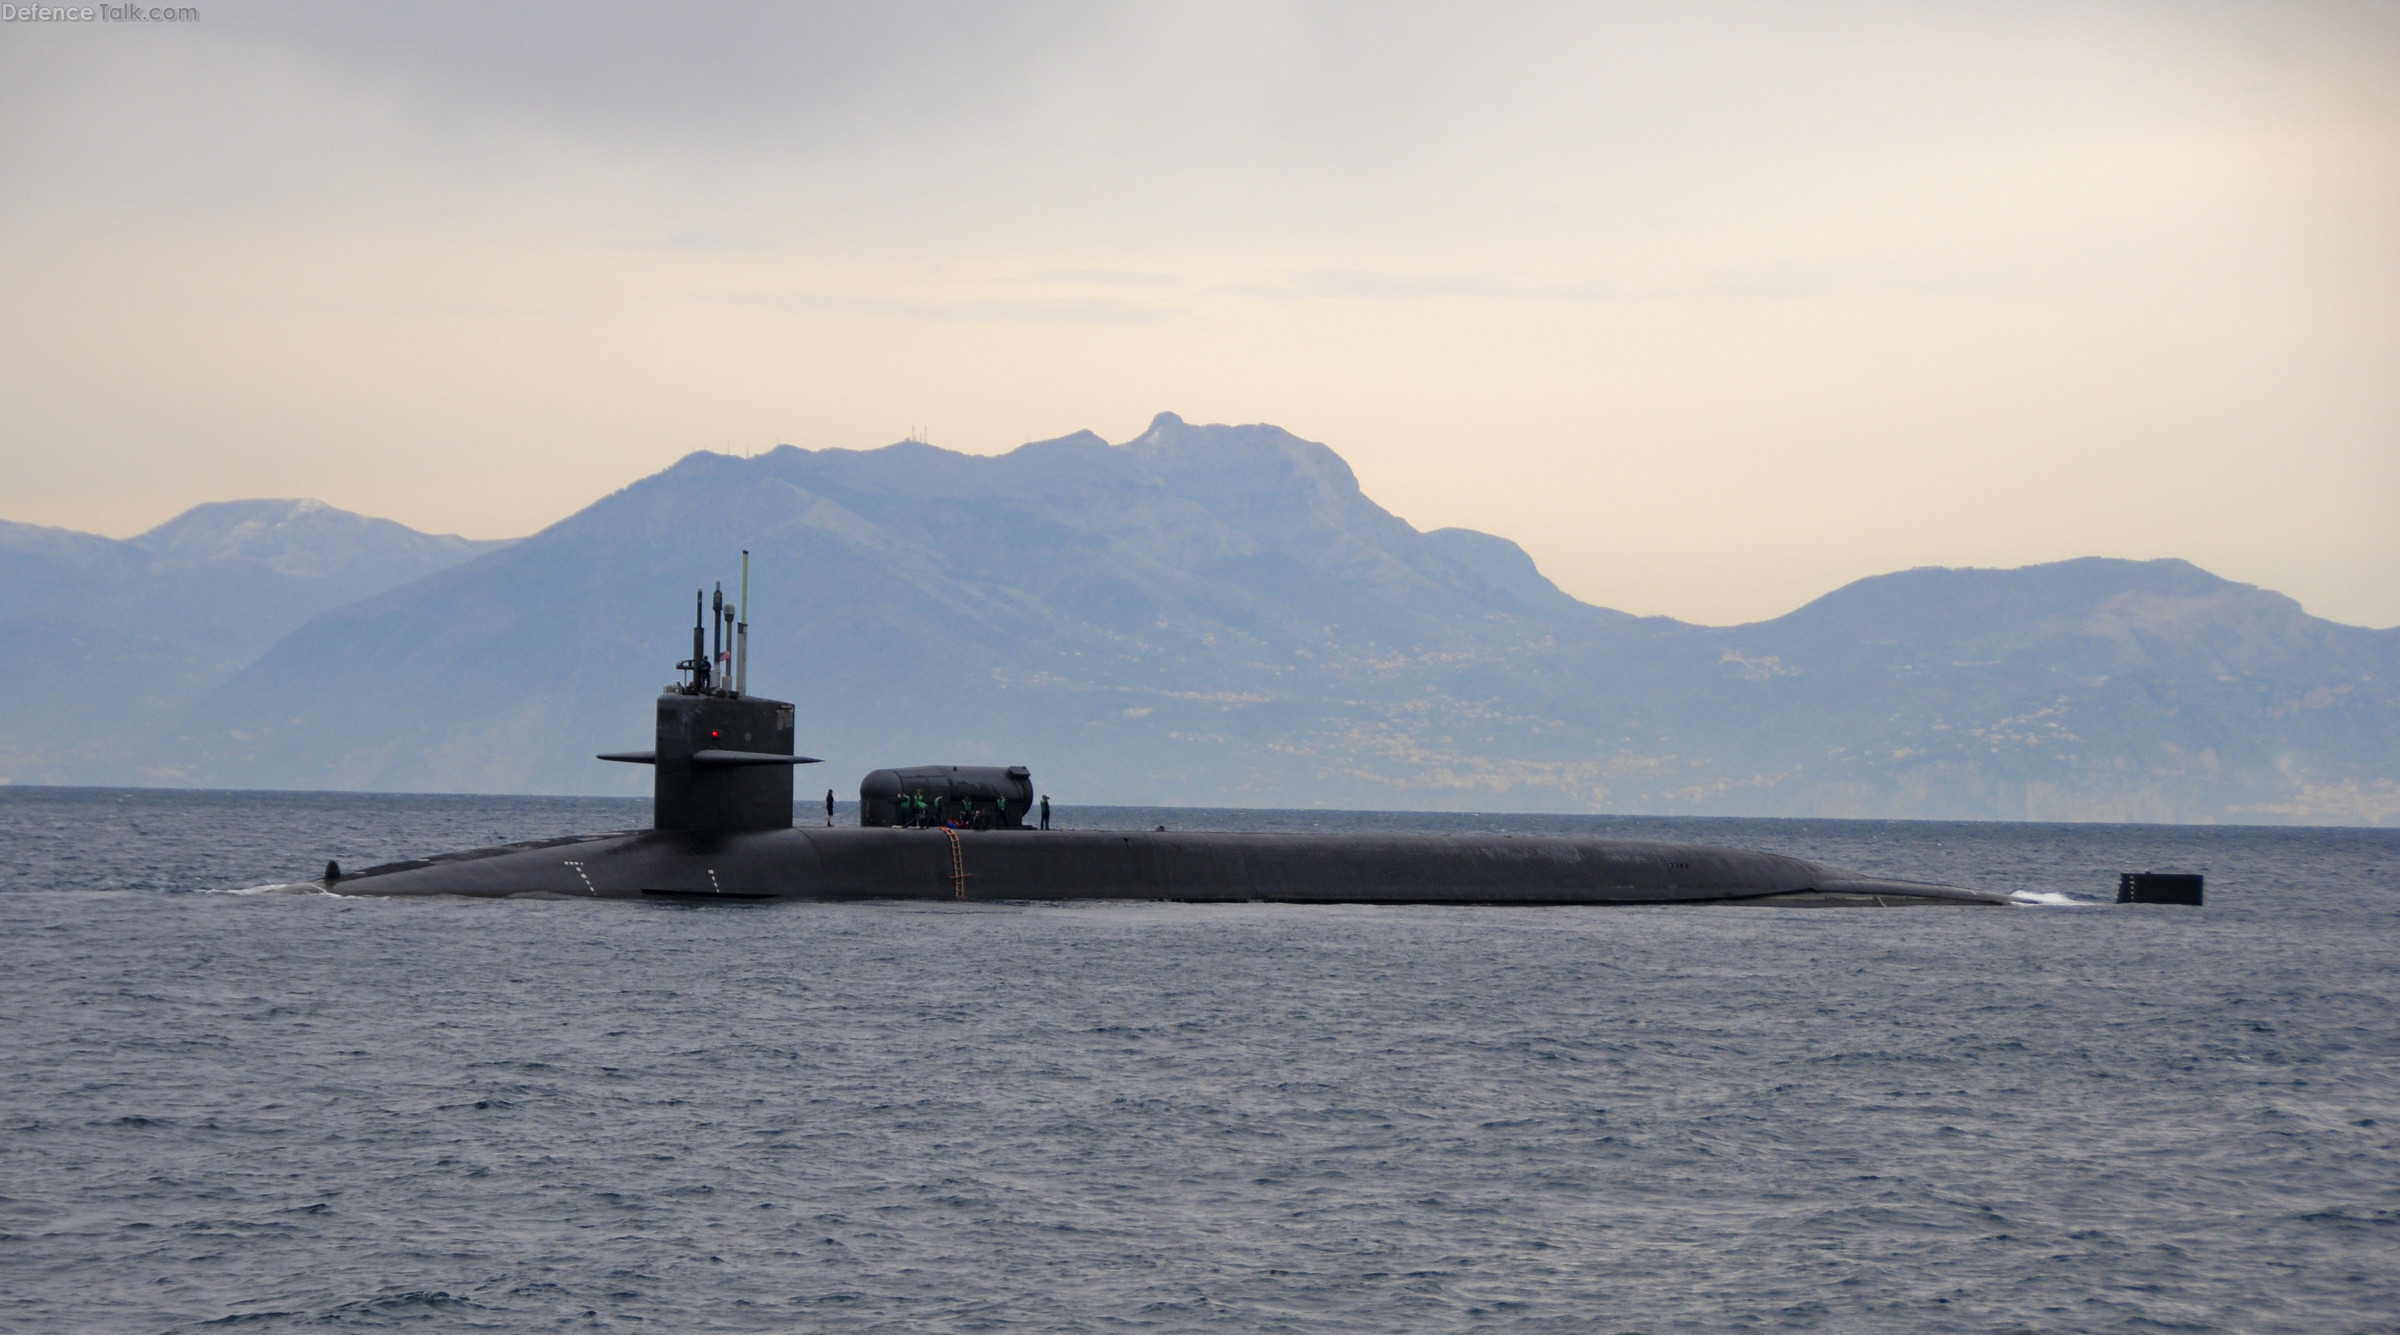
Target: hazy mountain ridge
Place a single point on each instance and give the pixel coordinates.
(981, 601)
(1218, 615)
(2088, 689)
(228, 578)
(125, 634)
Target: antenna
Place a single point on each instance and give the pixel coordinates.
(699, 663)
(741, 652)
(716, 629)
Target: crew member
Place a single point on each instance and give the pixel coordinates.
(829, 808)
(1045, 811)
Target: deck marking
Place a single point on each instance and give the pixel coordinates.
(958, 863)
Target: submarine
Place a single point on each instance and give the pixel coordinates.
(722, 832)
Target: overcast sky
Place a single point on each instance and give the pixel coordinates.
(1712, 307)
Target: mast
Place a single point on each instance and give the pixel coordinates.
(741, 651)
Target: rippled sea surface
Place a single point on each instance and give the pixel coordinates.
(283, 1111)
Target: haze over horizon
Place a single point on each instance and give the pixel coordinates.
(1712, 311)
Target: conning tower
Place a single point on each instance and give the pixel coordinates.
(723, 757)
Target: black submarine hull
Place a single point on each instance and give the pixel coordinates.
(1193, 867)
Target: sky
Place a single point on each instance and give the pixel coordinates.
(1712, 307)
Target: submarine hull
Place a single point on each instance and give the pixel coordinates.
(868, 863)
(722, 831)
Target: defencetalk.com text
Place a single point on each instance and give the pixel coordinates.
(99, 14)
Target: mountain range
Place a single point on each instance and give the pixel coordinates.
(113, 640)
(1204, 615)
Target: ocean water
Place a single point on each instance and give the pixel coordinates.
(283, 1112)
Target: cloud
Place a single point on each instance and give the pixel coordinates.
(1033, 311)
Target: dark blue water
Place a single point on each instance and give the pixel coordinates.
(277, 1111)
